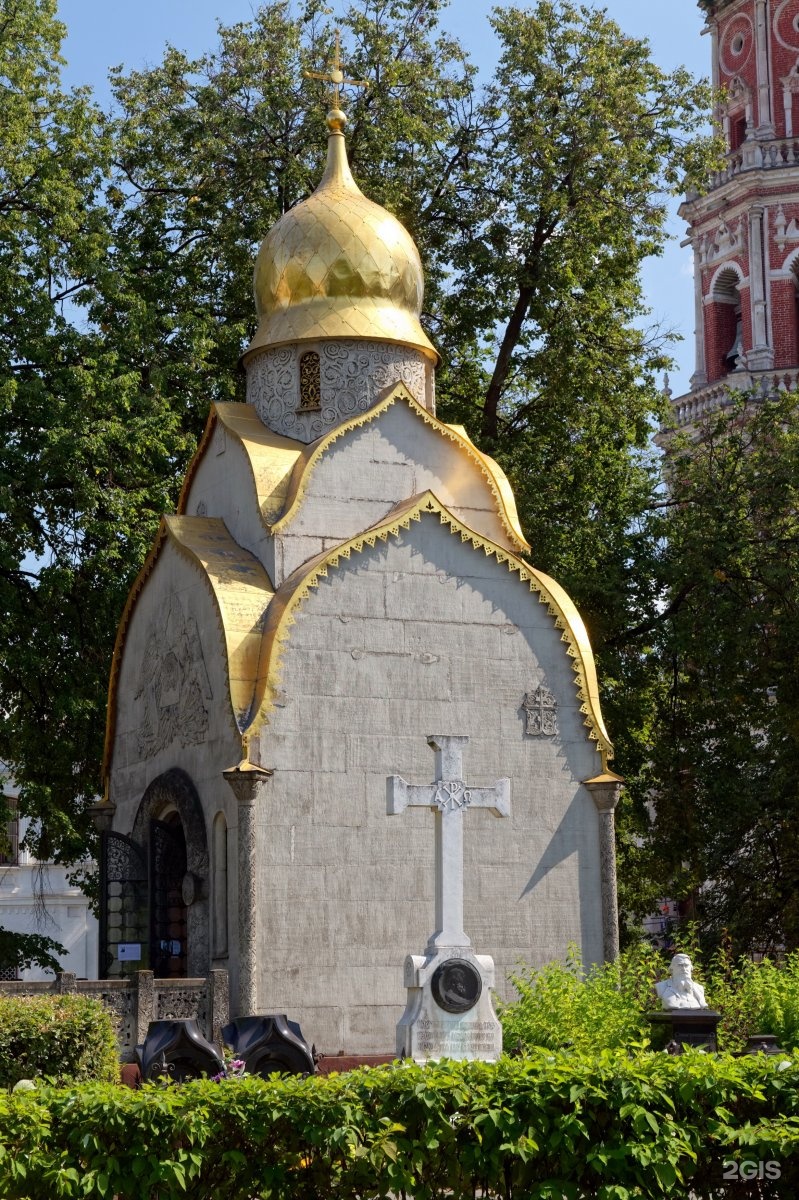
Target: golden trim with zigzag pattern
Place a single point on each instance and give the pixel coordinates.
(493, 473)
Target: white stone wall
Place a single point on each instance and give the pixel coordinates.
(223, 486)
(420, 636)
(354, 376)
(174, 604)
(38, 898)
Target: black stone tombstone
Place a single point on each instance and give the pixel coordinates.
(688, 1027)
(176, 1050)
(270, 1043)
(762, 1043)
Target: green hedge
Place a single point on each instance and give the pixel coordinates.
(608, 1127)
(66, 1038)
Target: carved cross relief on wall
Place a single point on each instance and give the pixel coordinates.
(541, 710)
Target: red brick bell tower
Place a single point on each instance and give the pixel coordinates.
(745, 230)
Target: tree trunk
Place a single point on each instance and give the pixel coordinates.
(513, 329)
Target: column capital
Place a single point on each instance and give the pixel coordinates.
(605, 790)
(102, 815)
(247, 781)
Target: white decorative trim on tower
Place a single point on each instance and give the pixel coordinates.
(765, 117)
(699, 377)
(761, 356)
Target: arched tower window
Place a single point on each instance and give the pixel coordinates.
(737, 130)
(310, 382)
(727, 332)
(220, 892)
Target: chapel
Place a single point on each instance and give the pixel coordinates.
(344, 577)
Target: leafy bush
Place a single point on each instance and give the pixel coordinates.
(608, 1127)
(755, 997)
(66, 1038)
(561, 1006)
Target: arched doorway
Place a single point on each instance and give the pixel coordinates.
(171, 825)
(169, 912)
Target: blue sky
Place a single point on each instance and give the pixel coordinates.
(104, 33)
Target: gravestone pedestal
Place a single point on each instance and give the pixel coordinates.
(449, 1013)
(688, 1027)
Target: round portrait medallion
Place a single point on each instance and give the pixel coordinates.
(456, 986)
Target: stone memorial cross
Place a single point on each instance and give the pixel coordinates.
(449, 797)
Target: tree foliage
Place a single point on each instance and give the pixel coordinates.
(564, 1006)
(127, 300)
(724, 758)
(19, 951)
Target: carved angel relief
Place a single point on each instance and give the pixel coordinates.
(173, 683)
(541, 709)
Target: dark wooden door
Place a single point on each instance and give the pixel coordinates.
(168, 911)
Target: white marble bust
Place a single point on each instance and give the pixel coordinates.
(680, 991)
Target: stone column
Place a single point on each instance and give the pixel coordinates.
(247, 782)
(699, 377)
(218, 1007)
(761, 356)
(605, 791)
(715, 79)
(102, 815)
(143, 1004)
(787, 104)
(715, 72)
(765, 118)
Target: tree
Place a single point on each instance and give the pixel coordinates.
(53, 235)
(87, 453)
(725, 745)
(19, 951)
(533, 205)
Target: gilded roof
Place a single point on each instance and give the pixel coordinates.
(337, 265)
(270, 455)
(281, 467)
(241, 591)
(492, 472)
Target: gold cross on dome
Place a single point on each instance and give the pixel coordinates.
(335, 75)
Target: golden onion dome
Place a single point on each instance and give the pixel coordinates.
(337, 265)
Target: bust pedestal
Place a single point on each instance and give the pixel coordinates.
(688, 1027)
(449, 1013)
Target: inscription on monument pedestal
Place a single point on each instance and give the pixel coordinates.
(430, 1029)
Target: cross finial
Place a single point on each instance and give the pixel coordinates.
(335, 77)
